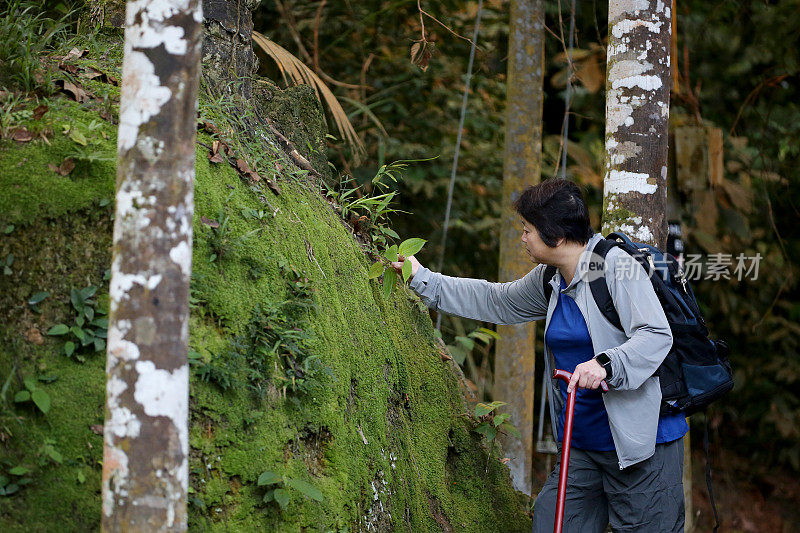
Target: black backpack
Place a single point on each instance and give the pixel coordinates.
(696, 371)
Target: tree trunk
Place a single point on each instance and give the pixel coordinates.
(637, 114)
(514, 353)
(145, 459)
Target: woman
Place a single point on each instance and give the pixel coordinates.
(626, 462)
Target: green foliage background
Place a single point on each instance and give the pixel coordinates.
(742, 61)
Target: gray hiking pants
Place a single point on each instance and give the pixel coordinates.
(644, 497)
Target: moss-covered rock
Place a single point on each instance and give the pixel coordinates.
(374, 420)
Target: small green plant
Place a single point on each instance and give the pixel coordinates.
(11, 114)
(220, 240)
(278, 488)
(219, 369)
(9, 486)
(491, 424)
(26, 33)
(463, 346)
(36, 299)
(407, 248)
(89, 330)
(9, 260)
(32, 393)
(48, 452)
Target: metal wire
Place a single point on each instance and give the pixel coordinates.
(458, 144)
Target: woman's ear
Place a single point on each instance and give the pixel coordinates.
(561, 241)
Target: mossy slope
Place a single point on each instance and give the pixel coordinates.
(382, 434)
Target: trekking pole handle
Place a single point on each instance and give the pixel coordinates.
(567, 376)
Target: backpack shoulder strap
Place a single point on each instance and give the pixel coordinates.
(599, 287)
(549, 272)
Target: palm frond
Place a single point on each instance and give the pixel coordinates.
(296, 72)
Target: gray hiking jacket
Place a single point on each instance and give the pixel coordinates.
(633, 403)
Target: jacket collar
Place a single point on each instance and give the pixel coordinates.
(583, 265)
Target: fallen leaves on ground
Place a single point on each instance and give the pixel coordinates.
(209, 222)
(21, 135)
(64, 169)
(75, 91)
(39, 112)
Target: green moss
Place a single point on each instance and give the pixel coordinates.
(383, 435)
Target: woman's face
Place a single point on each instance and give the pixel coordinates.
(536, 249)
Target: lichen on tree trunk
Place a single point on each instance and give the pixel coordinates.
(637, 113)
(146, 445)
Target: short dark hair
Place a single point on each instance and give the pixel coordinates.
(556, 208)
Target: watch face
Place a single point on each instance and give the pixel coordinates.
(603, 359)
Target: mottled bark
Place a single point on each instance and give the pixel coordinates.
(514, 353)
(637, 113)
(145, 459)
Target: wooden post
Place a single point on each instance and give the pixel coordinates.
(514, 352)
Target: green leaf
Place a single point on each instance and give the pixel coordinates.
(269, 496)
(81, 477)
(38, 297)
(458, 354)
(80, 321)
(3, 480)
(41, 399)
(268, 478)
(22, 396)
(78, 332)
(76, 299)
(375, 270)
(406, 270)
(88, 312)
(487, 430)
(58, 329)
(511, 430)
(483, 409)
(55, 455)
(9, 229)
(88, 292)
(282, 497)
(69, 348)
(499, 419)
(391, 253)
(99, 345)
(19, 471)
(48, 379)
(411, 246)
(10, 489)
(29, 383)
(100, 322)
(466, 342)
(388, 231)
(389, 279)
(306, 488)
(78, 137)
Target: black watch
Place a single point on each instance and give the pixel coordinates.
(605, 362)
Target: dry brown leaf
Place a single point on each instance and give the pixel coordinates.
(97, 429)
(39, 112)
(34, 336)
(64, 169)
(75, 53)
(210, 223)
(21, 135)
(76, 91)
(214, 156)
(414, 51)
(91, 73)
(273, 186)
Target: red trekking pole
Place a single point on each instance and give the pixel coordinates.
(562, 474)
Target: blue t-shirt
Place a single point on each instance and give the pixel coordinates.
(568, 339)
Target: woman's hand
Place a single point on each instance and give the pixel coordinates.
(398, 265)
(587, 375)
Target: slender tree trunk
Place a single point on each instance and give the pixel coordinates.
(637, 114)
(514, 353)
(145, 459)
